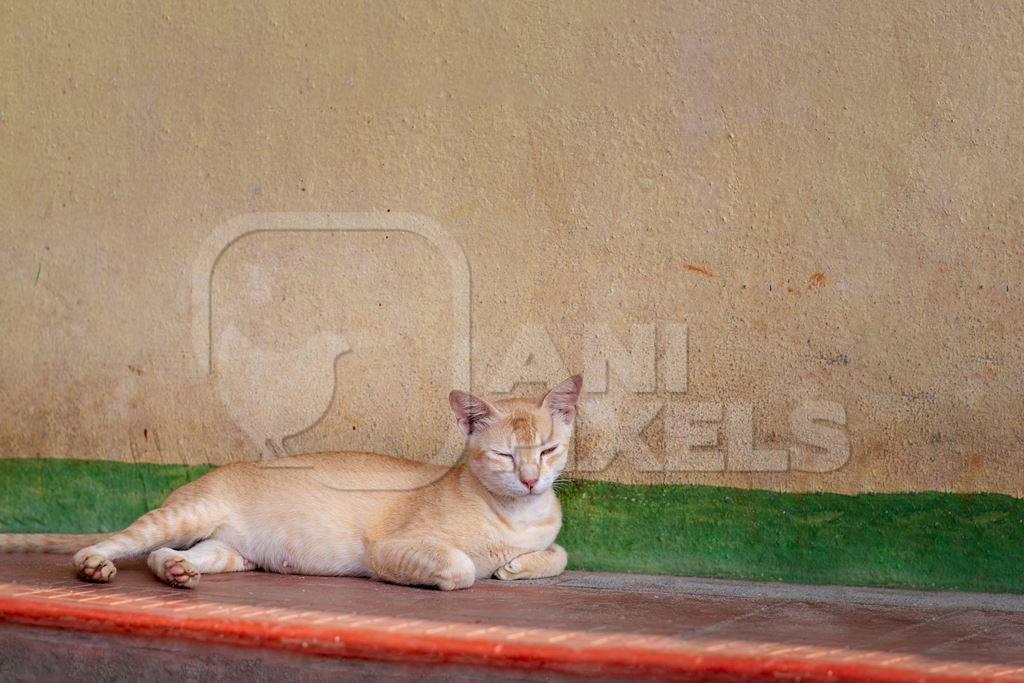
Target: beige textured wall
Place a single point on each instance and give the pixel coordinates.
(825, 198)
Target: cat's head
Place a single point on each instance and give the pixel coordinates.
(518, 446)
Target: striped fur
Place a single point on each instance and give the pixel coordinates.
(47, 543)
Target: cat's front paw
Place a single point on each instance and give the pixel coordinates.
(459, 574)
(510, 571)
(541, 564)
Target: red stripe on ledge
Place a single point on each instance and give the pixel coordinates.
(427, 649)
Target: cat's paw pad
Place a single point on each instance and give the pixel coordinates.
(96, 569)
(180, 573)
(509, 572)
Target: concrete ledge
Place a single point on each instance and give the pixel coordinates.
(763, 590)
(551, 629)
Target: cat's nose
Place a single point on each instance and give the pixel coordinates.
(528, 483)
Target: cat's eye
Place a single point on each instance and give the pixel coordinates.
(504, 455)
(549, 451)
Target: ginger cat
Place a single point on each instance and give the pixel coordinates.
(362, 514)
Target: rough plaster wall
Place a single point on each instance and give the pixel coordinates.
(827, 195)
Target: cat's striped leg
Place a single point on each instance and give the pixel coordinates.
(421, 563)
(174, 525)
(182, 568)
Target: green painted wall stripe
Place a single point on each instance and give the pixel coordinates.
(911, 540)
(83, 496)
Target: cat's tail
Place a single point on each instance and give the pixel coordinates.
(48, 543)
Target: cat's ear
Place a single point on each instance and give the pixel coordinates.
(561, 400)
(471, 411)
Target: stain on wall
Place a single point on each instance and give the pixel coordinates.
(825, 196)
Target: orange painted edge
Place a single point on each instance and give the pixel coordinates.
(383, 645)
